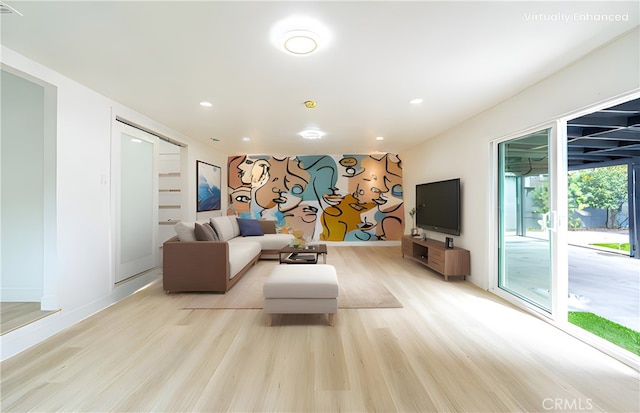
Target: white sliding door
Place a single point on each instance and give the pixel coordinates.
(136, 201)
(531, 210)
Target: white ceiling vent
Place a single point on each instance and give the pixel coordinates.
(6, 9)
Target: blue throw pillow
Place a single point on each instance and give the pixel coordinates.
(249, 227)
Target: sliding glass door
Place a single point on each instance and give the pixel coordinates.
(528, 260)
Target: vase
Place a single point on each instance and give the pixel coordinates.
(299, 243)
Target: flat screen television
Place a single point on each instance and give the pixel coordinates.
(438, 206)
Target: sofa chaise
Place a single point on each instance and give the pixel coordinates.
(213, 256)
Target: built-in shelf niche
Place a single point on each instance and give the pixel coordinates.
(170, 190)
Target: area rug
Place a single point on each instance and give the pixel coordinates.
(357, 290)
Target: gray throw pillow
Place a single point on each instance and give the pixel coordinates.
(204, 232)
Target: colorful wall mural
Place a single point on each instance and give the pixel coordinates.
(327, 197)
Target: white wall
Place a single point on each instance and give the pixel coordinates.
(463, 151)
(81, 270)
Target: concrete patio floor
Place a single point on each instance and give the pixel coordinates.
(601, 282)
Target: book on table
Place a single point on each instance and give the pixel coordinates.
(302, 257)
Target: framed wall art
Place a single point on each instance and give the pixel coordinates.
(209, 183)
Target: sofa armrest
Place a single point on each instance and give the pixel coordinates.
(268, 226)
(195, 266)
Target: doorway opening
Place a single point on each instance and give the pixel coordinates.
(603, 150)
(28, 196)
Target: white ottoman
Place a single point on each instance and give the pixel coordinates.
(301, 289)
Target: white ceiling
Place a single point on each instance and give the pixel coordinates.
(162, 58)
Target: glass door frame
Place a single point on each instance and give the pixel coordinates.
(634, 201)
(557, 221)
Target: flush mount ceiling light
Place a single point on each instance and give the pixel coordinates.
(416, 101)
(300, 42)
(299, 36)
(311, 134)
(206, 104)
(310, 104)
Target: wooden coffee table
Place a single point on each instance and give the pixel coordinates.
(308, 255)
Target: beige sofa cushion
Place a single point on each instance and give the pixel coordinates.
(226, 227)
(240, 254)
(272, 242)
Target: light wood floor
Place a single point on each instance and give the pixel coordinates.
(16, 315)
(452, 347)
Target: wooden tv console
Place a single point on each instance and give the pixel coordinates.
(450, 262)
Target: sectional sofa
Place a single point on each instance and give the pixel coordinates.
(213, 256)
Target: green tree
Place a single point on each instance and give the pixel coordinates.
(540, 195)
(604, 188)
(574, 196)
(541, 198)
(601, 188)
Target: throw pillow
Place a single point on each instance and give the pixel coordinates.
(204, 232)
(250, 227)
(185, 231)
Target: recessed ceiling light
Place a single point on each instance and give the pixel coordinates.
(380, 138)
(246, 138)
(206, 104)
(416, 101)
(311, 134)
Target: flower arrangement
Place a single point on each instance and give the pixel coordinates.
(414, 230)
(299, 240)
